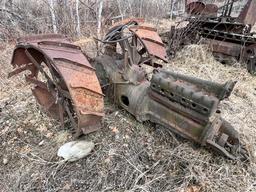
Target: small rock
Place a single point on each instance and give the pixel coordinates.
(41, 143)
(66, 187)
(20, 130)
(33, 121)
(49, 134)
(5, 161)
(75, 150)
(114, 130)
(42, 129)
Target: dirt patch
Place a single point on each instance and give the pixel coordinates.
(129, 156)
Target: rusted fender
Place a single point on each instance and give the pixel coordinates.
(147, 35)
(151, 40)
(76, 78)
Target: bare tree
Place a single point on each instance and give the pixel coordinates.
(99, 17)
(73, 17)
(77, 19)
(54, 24)
(172, 7)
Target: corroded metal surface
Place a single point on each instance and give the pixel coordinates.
(188, 106)
(151, 40)
(198, 8)
(247, 15)
(227, 36)
(195, 7)
(69, 86)
(144, 39)
(211, 10)
(225, 48)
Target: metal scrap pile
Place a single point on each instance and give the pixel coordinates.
(228, 37)
(68, 87)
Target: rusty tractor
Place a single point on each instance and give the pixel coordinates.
(229, 38)
(186, 105)
(131, 73)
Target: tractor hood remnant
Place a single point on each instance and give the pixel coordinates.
(188, 106)
(229, 38)
(64, 82)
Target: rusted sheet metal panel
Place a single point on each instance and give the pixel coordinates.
(147, 36)
(70, 66)
(223, 47)
(199, 8)
(195, 7)
(211, 10)
(152, 41)
(85, 92)
(247, 15)
(47, 100)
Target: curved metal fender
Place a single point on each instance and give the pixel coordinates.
(76, 78)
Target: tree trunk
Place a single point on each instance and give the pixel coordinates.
(99, 17)
(141, 7)
(54, 24)
(77, 19)
(120, 9)
(172, 4)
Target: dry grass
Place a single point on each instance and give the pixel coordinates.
(128, 156)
